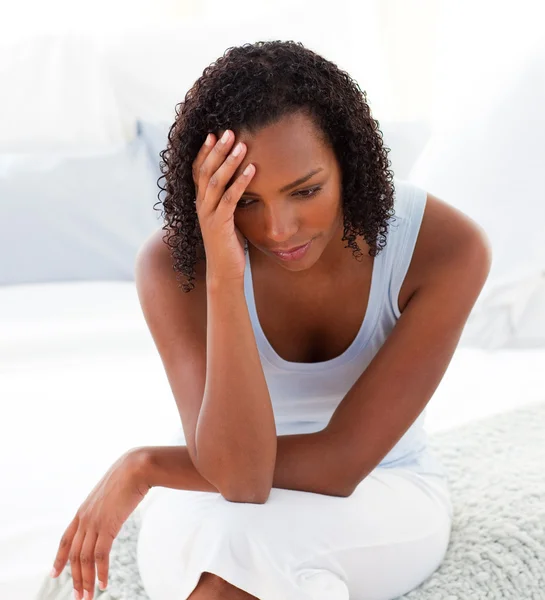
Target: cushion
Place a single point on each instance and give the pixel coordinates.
(482, 157)
(73, 218)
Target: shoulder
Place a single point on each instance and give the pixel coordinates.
(155, 255)
(156, 281)
(448, 238)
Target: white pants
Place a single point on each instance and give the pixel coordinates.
(381, 542)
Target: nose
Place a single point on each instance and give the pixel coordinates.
(281, 224)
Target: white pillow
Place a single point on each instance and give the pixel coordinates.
(489, 163)
(75, 218)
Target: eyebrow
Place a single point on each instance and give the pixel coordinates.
(295, 183)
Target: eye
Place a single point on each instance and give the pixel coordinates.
(308, 193)
(244, 203)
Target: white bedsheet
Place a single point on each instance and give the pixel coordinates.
(81, 382)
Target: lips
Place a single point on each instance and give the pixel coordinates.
(277, 251)
(295, 254)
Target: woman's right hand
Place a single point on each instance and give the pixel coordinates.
(213, 168)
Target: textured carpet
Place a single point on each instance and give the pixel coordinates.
(497, 550)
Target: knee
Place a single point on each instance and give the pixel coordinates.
(208, 586)
(212, 586)
(211, 580)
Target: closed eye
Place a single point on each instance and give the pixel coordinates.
(308, 193)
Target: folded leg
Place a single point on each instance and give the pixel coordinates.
(382, 541)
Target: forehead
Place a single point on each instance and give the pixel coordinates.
(287, 148)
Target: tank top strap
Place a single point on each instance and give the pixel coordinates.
(409, 206)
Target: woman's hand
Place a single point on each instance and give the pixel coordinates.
(213, 168)
(88, 539)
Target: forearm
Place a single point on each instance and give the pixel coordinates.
(235, 436)
(304, 462)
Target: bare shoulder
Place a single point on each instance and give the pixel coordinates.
(157, 286)
(449, 237)
(156, 251)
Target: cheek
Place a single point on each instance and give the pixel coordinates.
(324, 211)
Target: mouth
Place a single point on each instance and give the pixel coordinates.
(293, 253)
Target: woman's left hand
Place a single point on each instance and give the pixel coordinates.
(88, 539)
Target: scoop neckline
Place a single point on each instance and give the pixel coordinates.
(362, 336)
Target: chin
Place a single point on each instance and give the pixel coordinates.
(295, 266)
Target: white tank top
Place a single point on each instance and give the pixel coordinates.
(305, 395)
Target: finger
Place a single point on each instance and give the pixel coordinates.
(206, 174)
(87, 561)
(233, 193)
(64, 548)
(216, 191)
(102, 558)
(75, 566)
(202, 154)
(221, 178)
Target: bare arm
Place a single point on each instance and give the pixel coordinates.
(302, 463)
(396, 386)
(235, 436)
(208, 349)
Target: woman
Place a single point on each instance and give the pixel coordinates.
(300, 366)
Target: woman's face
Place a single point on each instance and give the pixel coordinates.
(273, 217)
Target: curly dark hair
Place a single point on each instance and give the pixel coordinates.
(252, 86)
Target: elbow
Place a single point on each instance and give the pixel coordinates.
(345, 492)
(250, 484)
(233, 488)
(258, 497)
(254, 493)
(349, 487)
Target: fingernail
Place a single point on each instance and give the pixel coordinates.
(225, 136)
(208, 140)
(101, 585)
(86, 595)
(53, 572)
(76, 594)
